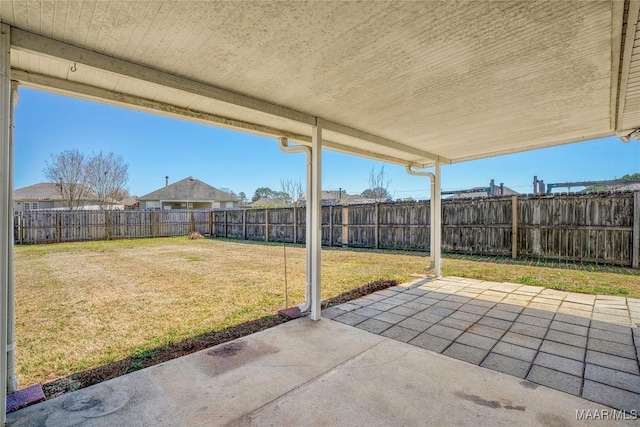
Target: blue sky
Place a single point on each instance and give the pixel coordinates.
(156, 146)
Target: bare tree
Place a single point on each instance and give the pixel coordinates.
(119, 195)
(228, 190)
(294, 189)
(379, 183)
(107, 175)
(68, 171)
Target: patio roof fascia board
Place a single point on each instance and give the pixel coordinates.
(617, 20)
(632, 22)
(535, 147)
(106, 96)
(33, 43)
(346, 130)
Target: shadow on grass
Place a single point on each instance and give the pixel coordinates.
(164, 353)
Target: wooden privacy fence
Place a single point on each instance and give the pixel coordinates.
(71, 226)
(276, 225)
(603, 227)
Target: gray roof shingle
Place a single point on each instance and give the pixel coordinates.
(267, 202)
(44, 191)
(189, 189)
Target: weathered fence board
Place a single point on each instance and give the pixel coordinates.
(362, 224)
(603, 227)
(72, 226)
(477, 226)
(577, 227)
(403, 226)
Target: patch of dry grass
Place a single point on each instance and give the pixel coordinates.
(81, 305)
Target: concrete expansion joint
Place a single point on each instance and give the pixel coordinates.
(311, 380)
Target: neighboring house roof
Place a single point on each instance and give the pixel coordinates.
(333, 197)
(634, 186)
(629, 187)
(339, 198)
(266, 202)
(42, 191)
(506, 191)
(189, 189)
(127, 201)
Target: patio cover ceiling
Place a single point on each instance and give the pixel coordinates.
(405, 82)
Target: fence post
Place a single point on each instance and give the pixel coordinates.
(211, 224)
(377, 226)
(514, 227)
(107, 225)
(635, 247)
(330, 225)
(244, 224)
(266, 225)
(58, 227)
(345, 226)
(295, 225)
(225, 224)
(154, 224)
(535, 232)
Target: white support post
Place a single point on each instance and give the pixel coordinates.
(308, 241)
(316, 220)
(5, 206)
(437, 226)
(12, 379)
(432, 215)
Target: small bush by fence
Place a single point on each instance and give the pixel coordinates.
(603, 227)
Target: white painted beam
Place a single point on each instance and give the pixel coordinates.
(345, 130)
(30, 42)
(617, 19)
(316, 221)
(5, 207)
(585, 137)
(12, 379)
(632, 22)
(105, 96)
(437, 226)
(34, 43)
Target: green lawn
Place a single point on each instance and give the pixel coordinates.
(82, 305)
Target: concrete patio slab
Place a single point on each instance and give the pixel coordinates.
(543, 337)
(314, 373)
